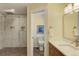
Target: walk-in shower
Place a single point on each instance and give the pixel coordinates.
(12, 32)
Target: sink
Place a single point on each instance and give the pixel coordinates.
(65, 46)
(69, 46)
(67, 49)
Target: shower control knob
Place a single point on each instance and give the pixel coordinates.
(22, 28)
(11, 27)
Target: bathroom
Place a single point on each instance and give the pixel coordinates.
(38, 29)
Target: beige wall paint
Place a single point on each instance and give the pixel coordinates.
(55, 18)
(38, 6)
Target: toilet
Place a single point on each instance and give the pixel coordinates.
(41, 42)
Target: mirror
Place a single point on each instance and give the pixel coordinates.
(69, 26)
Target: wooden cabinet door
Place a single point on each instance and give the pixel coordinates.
(53, 51)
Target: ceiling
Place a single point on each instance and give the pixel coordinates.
(20, 8)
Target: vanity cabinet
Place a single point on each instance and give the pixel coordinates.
(53, 51)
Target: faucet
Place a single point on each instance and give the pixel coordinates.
(76, 41)
(76, 36)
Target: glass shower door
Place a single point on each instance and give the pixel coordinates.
(2, 34)
(22, 31)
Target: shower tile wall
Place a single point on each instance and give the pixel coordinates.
(14, 35)
(1, 30)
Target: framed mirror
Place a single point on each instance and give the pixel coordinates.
(69, 26)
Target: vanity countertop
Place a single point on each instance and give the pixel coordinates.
(65, 47)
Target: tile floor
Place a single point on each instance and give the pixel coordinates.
(19, 51)
(37, 52)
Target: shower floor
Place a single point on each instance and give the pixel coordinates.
(18, 51)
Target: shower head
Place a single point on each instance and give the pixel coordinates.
(9, 13)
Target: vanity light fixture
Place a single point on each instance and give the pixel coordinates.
(76, 7)
(72, 7)
(68, 8)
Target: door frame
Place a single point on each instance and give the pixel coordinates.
(29, 40)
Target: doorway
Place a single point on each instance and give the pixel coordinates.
(38, 32)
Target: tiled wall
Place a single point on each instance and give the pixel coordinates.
(1, 30)
(14, 36)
